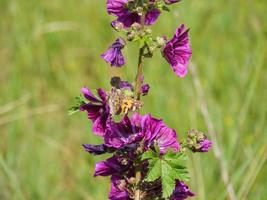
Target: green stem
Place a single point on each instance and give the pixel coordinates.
(138, 83)
(138, 79)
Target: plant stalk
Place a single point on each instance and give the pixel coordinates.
(138, 85)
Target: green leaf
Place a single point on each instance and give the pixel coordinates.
(168, 167)
(155, 170)
(73, 110)
(168, 180)
(149, 155)
(80, 100)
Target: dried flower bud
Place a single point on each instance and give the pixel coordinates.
(131, 35)
(148, 31)
(160, 41)
(118, 26)
(139, 10)
(136, 26)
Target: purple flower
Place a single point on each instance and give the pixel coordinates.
(181, 191)
(177, 51)
(113, 165)
(122, 134)
(171, 1)
(144, 87)
(113, 55)
(118, 189)
(156, 132)
(205, 146)
(97, 109)
(130, 131)
(119, 9)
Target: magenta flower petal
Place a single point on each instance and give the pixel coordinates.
(97, 110)
(177, 51)
(151, 16)
(205, 145)
(156, 132)
(111, 166)
(119, 9)
(89, 95)
(113, 55)
(181, 191)
(123, 134)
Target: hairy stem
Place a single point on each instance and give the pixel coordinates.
(138, 83)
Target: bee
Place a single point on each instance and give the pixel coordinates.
(121, 102)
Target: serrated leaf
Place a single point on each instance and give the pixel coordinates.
(168, 180)
(154, 170)
(168, 167)
(148, 155)
(176, 158)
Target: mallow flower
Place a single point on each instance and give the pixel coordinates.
(97, 109)
(113, 55)
(119, 9)
(157, 133)
(122, 134)
(181, 191)
(177, 51)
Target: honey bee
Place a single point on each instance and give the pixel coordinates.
(120, 102)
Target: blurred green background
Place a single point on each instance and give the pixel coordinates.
(50, 49)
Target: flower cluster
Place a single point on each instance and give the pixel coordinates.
(176, 51)
(147, 160)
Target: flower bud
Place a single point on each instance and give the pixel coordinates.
(136, 26)
(148, 31)
(197, 141)
(118, 26)
(160, 41)
(139, 10)
(131, 35)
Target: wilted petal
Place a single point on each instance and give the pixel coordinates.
(113, 55)
(97, 149)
